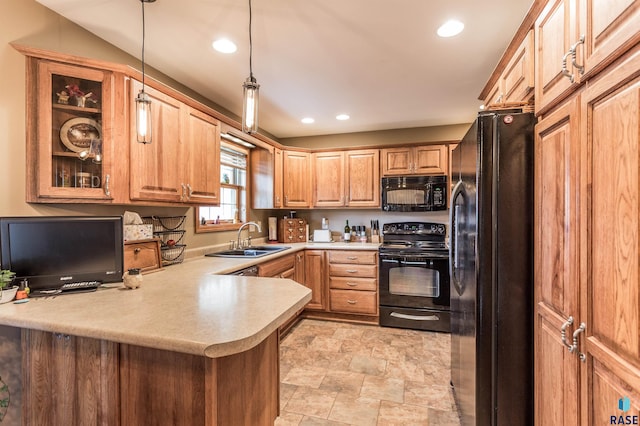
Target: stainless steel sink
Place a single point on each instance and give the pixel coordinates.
(256, 251)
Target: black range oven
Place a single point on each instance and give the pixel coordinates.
(414, 276)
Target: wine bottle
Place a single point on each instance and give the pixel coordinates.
(347, 233)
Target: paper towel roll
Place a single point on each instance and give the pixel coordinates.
(273, 229)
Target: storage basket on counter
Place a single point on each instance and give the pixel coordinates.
(170, 231)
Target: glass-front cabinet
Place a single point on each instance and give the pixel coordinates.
(73, 133)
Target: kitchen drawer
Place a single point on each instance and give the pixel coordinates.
(360, 271)
(142, 254)
(347, 283)
(273, 268)
(353, 301)
(349, 256)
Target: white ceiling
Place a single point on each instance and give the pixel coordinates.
(379, 61)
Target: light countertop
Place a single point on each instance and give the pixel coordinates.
(188, 307)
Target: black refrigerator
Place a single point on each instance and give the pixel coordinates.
(491, 260)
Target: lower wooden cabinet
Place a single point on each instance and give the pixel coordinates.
(353, 282)
(282, 267)
(314, 278)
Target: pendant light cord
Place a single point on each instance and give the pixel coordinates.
(143, 36)
(250, 46)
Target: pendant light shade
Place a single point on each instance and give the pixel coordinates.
(250, 92)
(250, 106)
(143, 102)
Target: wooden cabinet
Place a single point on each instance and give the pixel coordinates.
(314, 278)
(278, 197)
(586, 250)
(142, 254)
(69, 380)
(282, 267)
(576, 39)
(353, 282)
(346, 178)
(296, 179)
(557, 174)
(71, 133)
(417, 160)
(182, 164)
(516, 82)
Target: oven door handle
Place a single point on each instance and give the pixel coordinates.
(415, 317)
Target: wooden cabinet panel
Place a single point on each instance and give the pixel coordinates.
(555, 32)
(299, 268)
(156, 169)
(611, 295)
(314, 278)
(328, 179)
(142, 254)
(276, 267)
(396, 161)
(347, 283)
(202, 140)
(556, 276)
(60, 131)
(420, 160)
(362, 170)
(342, 270)
(182, 163)
(354, 302)
(357, 257)
(296, 179)
(517, 80)
(277, 178)
(80, 372)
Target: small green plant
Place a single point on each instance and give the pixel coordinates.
(6, 277)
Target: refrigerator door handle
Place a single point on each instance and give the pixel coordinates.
(454, 227)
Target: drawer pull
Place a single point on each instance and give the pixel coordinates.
(352, 257)
(351, 284)
(416, 317)
(136, 250)
(352, 271)
(351, 302)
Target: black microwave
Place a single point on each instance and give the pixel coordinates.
(414, 193)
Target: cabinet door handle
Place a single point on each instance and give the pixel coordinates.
(574, 346)
(107, 182)
(184, 192)
(189, 191)
(563, 332)
(136, 250)
(565, 71)
(573, 55)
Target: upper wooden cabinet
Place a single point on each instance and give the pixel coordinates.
(71, 133)
(346, 178)
(578, 38)
(515, 84)
(296, 179)
(416, 160)
(182, 163)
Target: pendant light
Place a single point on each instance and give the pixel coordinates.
(250, 92)
(143, 102)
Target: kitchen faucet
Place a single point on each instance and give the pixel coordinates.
(239, 243)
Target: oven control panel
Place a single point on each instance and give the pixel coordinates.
(427, 228)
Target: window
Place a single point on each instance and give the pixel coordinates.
(232, 211)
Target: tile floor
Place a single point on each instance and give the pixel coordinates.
(335, 373)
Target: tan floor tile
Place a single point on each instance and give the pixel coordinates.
(436, 375)
(315, 421)
(288, 419)
(353, 410)
(383, 388)
(286, 392)
(357, 347)
(297, 340)
(345, 333)
(343, 381)
(395, 414)
(385, 351)
(443, 418)
(401, 369)
(437, 397)
(309, 376)
(324, 343)
(311, 402)
(368, 365)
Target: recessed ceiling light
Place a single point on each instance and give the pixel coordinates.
(307, 120)
(224, 45)
(450, 28)
(342, 117)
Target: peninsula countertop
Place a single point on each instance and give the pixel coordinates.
(183, 308)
